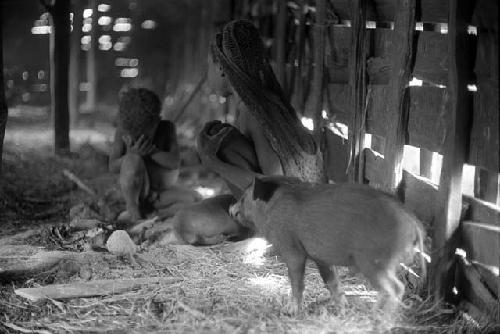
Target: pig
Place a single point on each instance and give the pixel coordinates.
(333, 225)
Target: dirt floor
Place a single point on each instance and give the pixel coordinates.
(227, 288)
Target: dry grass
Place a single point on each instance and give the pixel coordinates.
(221, 292)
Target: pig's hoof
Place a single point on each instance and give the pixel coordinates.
(291, 308)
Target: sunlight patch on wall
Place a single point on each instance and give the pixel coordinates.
(411, 159)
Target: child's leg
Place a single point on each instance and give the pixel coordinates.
(134, 183)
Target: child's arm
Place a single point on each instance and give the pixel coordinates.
(168, 159)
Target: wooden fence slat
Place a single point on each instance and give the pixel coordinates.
(485, 123)
(419, 196)
(373, 166)
(357, 88)
(397, 108)
(338, 103)
(431, 59)
(448, 207)
(483, 212)
(431, 10)
(481, 242)
(489, 275)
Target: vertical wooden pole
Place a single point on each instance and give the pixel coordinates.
(357, 87)
(3, 104)
(459, 103)
(74, 63)
(59, 67)
(280, 40)
(91, 61)
(401, 49)
(319, 54)
(298, 90)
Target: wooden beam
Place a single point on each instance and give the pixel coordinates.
(357, 88)
(319, 65)
(3, 103)
(481, 242)
(91, 288)
(298, 89)
(397, 100)
(448, 207)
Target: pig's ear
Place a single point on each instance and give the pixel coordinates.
(263, 190)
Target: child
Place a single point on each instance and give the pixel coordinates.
(144, 151)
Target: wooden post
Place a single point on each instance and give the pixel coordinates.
(91, 61)
(74, 63)
(401, 49)
(3, 103)
(319, 54)
(59, 66)
(449, 204)
(357, 87)
(298, 88)
(280, 44)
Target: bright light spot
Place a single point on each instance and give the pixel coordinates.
(212, 98)
(71, 16)
(119, 46)
(84, 86)
(122, 27)
(437, 161)
(468, 173)
(408, 269)
(129, 72)
(340, 129)
(86, 39)
(169, 100)
(87, 12)
(368, 141)
(205, 192)
(105, 46)
(104, 20)
(273, 283)
(103, 7)
(454, 290)
(148, 24)
(222, 99)
(44, 16)
(440, 86)
(460, 252)
(371, 24)
(346, 23)
(391, 26)
(472, 30)
(419, 26)
(411, 159)
(87, 27)
(472, 88)
(41, 75)
(308, 123)
(41, 30)
(25, 75)
(255, 251)
(324, 114)
(134, 62)
(415, 82)
(444, 28)
(104, 39)
(85, 47)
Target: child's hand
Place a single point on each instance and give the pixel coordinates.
(142, 146)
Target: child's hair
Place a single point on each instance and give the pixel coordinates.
(139, 111)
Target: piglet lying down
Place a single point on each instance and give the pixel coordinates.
(333, 225)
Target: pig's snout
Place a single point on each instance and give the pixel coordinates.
(234, 210)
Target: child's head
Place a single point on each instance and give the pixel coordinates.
(139, 112)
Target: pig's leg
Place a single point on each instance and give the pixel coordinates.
(296, 263)
(330, 277)
(133, 183)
